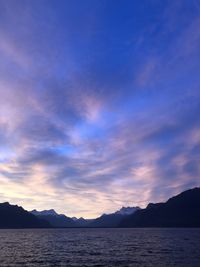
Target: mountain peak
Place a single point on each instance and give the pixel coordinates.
(13, 216)
(182, 210)
(51, 212)
(6, 204)
(127, 210)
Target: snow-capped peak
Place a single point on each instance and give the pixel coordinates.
(44, 212)
(127, 210)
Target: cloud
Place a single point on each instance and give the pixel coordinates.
(106, 120)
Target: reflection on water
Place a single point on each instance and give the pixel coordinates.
(100, 247)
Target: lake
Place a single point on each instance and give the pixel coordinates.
(100, 247)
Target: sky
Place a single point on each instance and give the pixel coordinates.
(99, 103)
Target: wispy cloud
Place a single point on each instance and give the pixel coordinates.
(109, 119)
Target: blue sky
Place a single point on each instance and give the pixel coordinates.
(99, 103)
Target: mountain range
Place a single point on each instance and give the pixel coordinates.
(182, 210)
(113, 219)
(60, 220)
(13, 216)
(105, 220)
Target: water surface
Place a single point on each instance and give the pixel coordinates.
(100, 247)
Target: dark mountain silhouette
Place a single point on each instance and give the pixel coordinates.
(81, 222)
(55, 219)
(127, 210)
(44, 212)
(182, 210)
(13, 216)
(113, 219)
(60, 220)
(107, 220)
